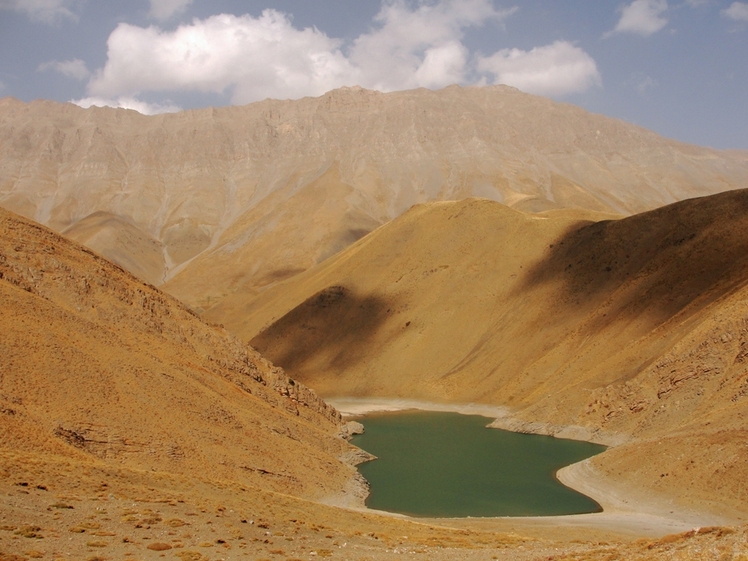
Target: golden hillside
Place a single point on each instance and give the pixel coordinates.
(237, 198)
(129, 428)
(95, 361)
(630, 331)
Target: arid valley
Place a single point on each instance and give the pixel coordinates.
(193, 303)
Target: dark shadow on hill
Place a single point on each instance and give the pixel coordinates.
(335, 325)
(653, 264)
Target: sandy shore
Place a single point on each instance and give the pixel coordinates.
(626, 512)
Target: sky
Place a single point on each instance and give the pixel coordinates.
(678, 67)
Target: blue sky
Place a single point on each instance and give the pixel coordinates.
(678, 67)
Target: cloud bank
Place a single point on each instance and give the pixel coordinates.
(556, 69)
(410, 44)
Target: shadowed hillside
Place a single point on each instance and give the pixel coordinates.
(629, 330)
(666, 259)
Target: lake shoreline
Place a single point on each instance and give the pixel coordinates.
(626, 511)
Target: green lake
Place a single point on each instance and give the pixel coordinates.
(451, 465)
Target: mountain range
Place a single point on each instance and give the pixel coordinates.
(181, 293)
(218, 200)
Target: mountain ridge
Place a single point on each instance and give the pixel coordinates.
(277, 186)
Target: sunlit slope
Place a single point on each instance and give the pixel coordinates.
(275, 240)
(98, 364)
(260, 192)
(616, 330)
(434, 275)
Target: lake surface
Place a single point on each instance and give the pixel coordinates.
(451, 465)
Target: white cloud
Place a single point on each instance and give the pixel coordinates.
(409, 46)
(646, 84)
(44, 11)
(442, 65)
(257, 57)
(643, 17)
(267, 57)
(737, 11)
(165, 9)
(412, 43)
(642, 83)
(75, 68)
(556, 69)
(420, 46)
(127, 103)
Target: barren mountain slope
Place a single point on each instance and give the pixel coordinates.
(632, 330)
(131, 429)
(96, 362)
(260, 192)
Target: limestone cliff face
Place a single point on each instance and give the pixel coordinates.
(218, 199)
